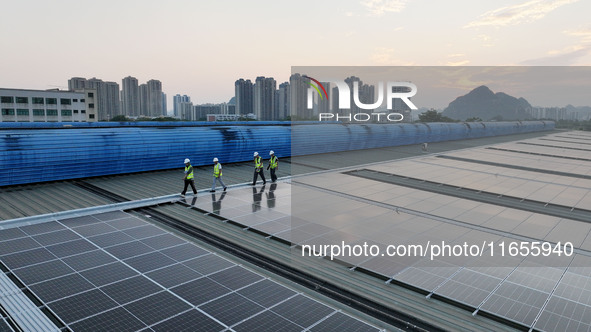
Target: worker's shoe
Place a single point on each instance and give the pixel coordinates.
(225, 188)
(212, 191)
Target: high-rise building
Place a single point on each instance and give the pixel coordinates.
(323, 102)
(298, 98)
(154, 98)
(185, 109)
(227, 109)
(76, 83)
(264, 98)
(283, 100)
(130, 97)
(107, 97)
(244, 97)
(177, 100)
(143, 89)
(164, 108)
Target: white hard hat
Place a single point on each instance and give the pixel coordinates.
(187, 161)
(215, 159)
(256, 154)
(271, 152)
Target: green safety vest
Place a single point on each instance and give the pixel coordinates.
(273, 162)
(258, 162)
(190, 174)
(217, 172)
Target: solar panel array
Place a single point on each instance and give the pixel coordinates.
(545, 293)
(114, 271)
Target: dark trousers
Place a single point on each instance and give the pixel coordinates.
(273, 176)
(256, 175)
(187, 183)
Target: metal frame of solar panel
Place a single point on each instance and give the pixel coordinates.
(114, 271)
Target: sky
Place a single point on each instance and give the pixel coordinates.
(199, 48)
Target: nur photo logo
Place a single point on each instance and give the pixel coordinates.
(392, 91)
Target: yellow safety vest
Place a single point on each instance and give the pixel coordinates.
(217, 172)
(258, 162)
(189, 175)
(273, 162)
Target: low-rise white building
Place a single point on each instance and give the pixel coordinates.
(20, 105)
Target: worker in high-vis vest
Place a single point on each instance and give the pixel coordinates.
(258, 169)
(217, 175)
(273, 163)
(189, 178)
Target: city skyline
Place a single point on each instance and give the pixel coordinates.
(202, 49)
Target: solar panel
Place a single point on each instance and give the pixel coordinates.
(266, 293)
(124, 274)
(95, 229)
(71, 248)
(268, 321)
(183, 252)
(131, 289)
(126, 223)
(200, 291)
(302, 310)
(173, 275)
(117, 319)
(87, 260)
(42, 228)
(48, 239)
(163, 241)
(12, 233)
(111, 239)
(189, 321)
(77, 307)
(231, 308)
(152, 310)
(235, 277)
(143, 232)
(207, 264)
(43, 271)
(4, 327)
(149, 262)
(29, 257)
(129, 249)
(17, 245)
(341, 322)
(109, 273)
(62, 287)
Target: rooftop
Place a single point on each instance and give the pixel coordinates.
(248, 241)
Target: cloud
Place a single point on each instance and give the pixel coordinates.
(584, 33)
(380, 7)
(386, 57)
(517, 14)
(568, 55)
(458, 63)
(564, 58)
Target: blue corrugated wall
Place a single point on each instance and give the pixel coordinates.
(37, 155)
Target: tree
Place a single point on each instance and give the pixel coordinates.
(474, 119)
(434, 116)
(120, 118)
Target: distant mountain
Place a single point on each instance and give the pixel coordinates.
(232, 101)
(583, 109)
(487, 105)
